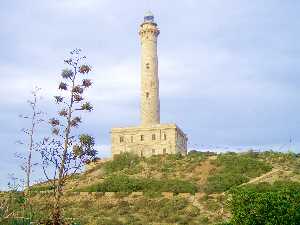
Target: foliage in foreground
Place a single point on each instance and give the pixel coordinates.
(65, 152)
(277, 204)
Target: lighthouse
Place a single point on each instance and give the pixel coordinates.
(150, 105)
(150, 137)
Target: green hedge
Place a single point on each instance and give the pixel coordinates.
(14, 221)
(38, 188)
(233, 170)
(277, 204)
(122, 183)
(120, 162)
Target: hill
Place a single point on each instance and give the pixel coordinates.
(168, 189)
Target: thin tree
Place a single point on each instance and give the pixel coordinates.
(35, 119)
(8, 203)
(65, 151)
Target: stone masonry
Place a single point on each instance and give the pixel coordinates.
(151, 137)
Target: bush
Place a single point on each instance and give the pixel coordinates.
(123, 161)
(225, 223)
(222, 182)
(178, 186)
(196, 156)
(121, 183)
(234, 169)
(19, 221)
(41, 188)
(174, 157)
(277, 204)
(279, 157)
(242, 164)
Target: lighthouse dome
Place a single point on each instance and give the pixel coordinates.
(149, 17)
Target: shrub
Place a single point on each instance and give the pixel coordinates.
(41, 188)
(174, 157)
(242, 164)
(222, 182)
(178, 186)
(19, 221)
(123, 161)
(121, 183)
(235, 169)
(225, 223)
(196, 156)
(277, 204)
(279, 157)
(297, 168)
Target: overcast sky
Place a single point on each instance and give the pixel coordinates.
(229, 69)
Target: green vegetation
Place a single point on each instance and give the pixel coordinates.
(278, 157)
(38, 188)
(21, 221)
(121, 162)
(277, 204)
(235, 169)
(167, 166)
(220, 178)
(122, 183)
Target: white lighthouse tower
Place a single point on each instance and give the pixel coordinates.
(150, 137)
(150, 106)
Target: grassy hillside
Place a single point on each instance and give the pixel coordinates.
(209, 175)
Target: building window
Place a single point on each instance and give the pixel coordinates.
(142, 153)
(142, 137)
(148, 65)
(153, 137)
(153, 151)
(147, 94)
(131, 139)
(165, 136)
(164, 151)
(121, 139)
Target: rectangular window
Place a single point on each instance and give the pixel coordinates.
(165, 136)
(153, 137)
(164, 151)
(131, 139)
(121, 139)
(142, 137)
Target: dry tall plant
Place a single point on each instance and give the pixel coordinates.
(66, 152)
(35, 119)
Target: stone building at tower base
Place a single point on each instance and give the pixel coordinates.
(151, 140)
